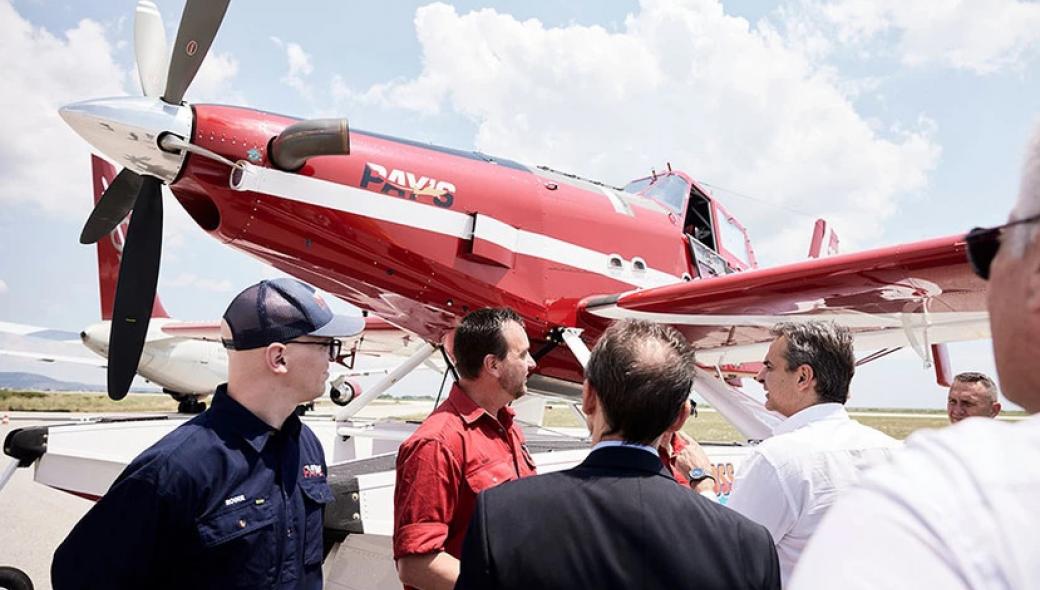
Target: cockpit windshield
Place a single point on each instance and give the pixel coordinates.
(668, 189)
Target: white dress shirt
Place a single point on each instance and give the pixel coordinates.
(792, 478)
(957, 508)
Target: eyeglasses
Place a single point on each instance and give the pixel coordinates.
(335, 346)
(984, 243)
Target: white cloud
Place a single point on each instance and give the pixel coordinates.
(215, 81)
(683, 82)
(43, 161)
(3, 287)
(982, 36)
(194, 281)
(300, 67)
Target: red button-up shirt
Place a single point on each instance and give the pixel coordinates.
(457, 452)
(671, 445)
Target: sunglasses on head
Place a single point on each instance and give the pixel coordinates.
(984, 243)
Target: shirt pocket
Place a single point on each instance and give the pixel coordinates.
(238, 543)
(316, 494)
(490, 475)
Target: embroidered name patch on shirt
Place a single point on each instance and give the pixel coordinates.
(235, 500)
(312, 471)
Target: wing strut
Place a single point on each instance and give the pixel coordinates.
(572, 338)
(425, 351)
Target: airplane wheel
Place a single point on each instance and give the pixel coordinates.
(191, 406)
(14, 579)
(342, 395)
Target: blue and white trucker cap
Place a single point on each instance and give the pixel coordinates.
(280, 310)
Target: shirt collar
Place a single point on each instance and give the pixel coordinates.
(470, 411)
(239, 420)
(816, 413)
(621, 443)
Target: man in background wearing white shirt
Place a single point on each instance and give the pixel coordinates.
(958, 507)
(792, 478)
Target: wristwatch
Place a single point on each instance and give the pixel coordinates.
(697, 475)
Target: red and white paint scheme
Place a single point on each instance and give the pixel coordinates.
(563, 251)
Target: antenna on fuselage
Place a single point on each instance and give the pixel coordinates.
(653, 173)
(669, 166)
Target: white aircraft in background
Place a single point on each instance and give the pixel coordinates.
(187, 359)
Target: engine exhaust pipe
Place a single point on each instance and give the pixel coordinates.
(301, 141)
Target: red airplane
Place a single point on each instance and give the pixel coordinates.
(421, 234)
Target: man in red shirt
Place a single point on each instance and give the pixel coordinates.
(468, 444)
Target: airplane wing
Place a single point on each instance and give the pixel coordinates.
(379, 339)
(917, 294)
(56, 358)
(208, 331)
(38, 332)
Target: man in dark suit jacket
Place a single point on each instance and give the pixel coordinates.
(618, 520)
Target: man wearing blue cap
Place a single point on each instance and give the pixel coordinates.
(235, 497)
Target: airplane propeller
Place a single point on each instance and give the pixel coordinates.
(153, 142)
(142, 193)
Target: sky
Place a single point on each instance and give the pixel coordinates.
(895, 121)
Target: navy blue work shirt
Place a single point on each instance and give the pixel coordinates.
(223, 501)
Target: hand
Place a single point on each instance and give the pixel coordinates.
(691, 456)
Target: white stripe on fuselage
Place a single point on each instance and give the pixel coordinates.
(356, 201)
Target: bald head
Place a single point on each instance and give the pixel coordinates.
(1013, 293)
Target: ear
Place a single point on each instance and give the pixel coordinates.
(805, 375)
(680, 420)
(274, 357)
(589, 401)
(491, 364)
(996, 408)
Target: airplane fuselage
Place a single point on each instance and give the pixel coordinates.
(184, 366)
(421, 235)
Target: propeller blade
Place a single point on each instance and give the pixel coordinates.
(153, 56)
(199, 25)
(135, 292)
(114, 206)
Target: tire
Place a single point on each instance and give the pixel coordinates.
(14, 579)
(342, 398)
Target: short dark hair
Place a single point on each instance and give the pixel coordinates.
(480, 334)
(976, 377)
(827, 348)
(642, 374)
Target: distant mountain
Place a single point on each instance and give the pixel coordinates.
(35, 382)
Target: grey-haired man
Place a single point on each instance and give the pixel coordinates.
(791, 479)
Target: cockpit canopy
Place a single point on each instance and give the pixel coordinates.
(705, 221)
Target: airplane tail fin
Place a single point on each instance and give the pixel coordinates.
(824, 241)
(110, 248)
